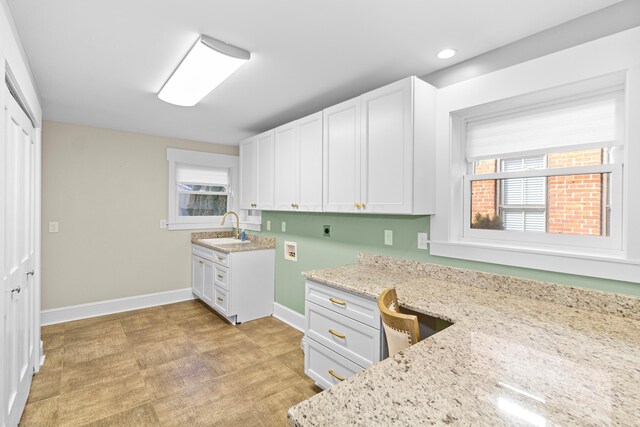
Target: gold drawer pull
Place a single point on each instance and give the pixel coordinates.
(201, 262)
(220, 258)
(220, 277)
(220, 299)
(336, 376)
(336, 301)
(334, 333)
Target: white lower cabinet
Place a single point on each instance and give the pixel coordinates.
(343, 334)
(238, 285)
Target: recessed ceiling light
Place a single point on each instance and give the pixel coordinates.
(208, 63)
(446, 53)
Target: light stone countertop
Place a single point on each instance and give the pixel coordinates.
(256, 243)
(517, 355)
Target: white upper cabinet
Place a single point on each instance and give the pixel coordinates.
(342, 157)
(265, 184)
(287, 166)
(248, 173)
(298, 164)
(257, 172)
(310, 163)
(379, 151)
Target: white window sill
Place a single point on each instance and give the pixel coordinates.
(606, 267)
(198, 226)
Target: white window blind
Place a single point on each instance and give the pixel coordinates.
(193, 174)
(524, 199)
(593, 121)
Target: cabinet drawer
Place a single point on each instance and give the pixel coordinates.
(354, 340)
(221, 277)
(221, 300)
(221, 258)
(326, 367)
(353, 306)
(202, 252)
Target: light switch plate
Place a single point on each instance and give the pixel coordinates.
(423, 241)
(268, 225)
(163, 223)
(284, 226)
(388, 237)
(53, 227)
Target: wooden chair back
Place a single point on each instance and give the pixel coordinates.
(401, 330)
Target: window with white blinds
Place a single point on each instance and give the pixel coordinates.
(202, 191)
(547, 173)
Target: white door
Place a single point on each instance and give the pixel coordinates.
(387, 149)
(248, 166)
(266, 161)
(310, 163)
(341, 160)
(286, 167)
(18, 225)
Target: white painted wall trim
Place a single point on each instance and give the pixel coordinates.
(101, 308)
(288, 316)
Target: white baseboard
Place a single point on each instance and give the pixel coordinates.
(100, 308)
(288, 316)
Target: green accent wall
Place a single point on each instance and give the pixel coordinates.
(354, 233)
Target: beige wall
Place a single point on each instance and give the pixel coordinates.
(108, 191)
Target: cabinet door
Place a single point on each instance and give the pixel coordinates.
(387, 149)
(341, 160)
(310, 163)
(266, 160)
(248, 167)
(197, 275)
(286, 167)
(208, 282)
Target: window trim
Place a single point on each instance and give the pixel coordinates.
(563, 73)
(198, 158)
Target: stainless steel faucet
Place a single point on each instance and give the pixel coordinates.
(237, 233)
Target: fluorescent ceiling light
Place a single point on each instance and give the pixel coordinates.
(208, 63)
(446, 53)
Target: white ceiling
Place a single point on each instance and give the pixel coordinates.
(101, 63)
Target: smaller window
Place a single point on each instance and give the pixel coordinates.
(201, 188)
(202, 191)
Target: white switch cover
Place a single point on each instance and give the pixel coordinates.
(53, 227)
(284, 226)
(163, 223)
(388, 237)
(423, 241)
(268, 225)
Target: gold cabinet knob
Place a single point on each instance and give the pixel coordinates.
(292, 205)
(356, 205)
(362, 205)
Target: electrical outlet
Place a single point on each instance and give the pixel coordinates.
(163, 223)
(326, 230)
(284, 226)
(423, 241)
(53, 227)
(268, 225)
(388, 237)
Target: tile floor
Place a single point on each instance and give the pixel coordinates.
(172, 365)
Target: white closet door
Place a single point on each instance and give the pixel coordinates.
(310, 163)
(18, 226)
(286, 167)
